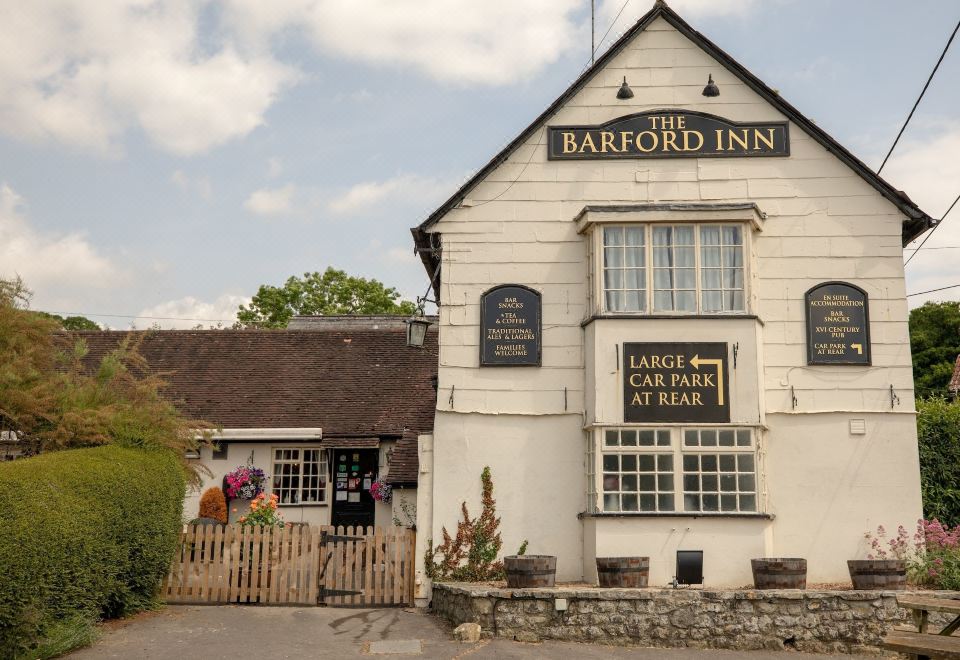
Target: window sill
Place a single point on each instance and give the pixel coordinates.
(291, 506)
(698, 317)
(675, 514)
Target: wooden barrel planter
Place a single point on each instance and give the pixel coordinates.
(623, 572)
(878, 573)
(526, 571)
(779, 573)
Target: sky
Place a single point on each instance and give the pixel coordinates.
(162, 159)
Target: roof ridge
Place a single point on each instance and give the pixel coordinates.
(918, 220)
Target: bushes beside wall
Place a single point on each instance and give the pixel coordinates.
(938, 431)
(84, 534)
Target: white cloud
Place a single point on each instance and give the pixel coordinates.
(83, 73)
(55, 266)
(928, 171)
(405, 187)
(200, 185)
(271, 201)
(465, 41)
(189, 312)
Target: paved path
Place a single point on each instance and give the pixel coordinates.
(230, 632)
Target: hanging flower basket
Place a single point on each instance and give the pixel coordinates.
(246, 482)
(381, 491)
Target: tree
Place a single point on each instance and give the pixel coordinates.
(71, 323)
(55, 399)
(333, 292)
(935, 344)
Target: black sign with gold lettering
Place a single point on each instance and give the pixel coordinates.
(675, 382)
(838, 324)
(510, 326)
(668, 134)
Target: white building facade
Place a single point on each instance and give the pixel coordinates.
(715, 351)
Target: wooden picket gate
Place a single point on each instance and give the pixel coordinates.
(362, 567)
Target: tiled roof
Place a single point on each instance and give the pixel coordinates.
(350, 443)
(954, 385)
(348, 383)
(404, 462)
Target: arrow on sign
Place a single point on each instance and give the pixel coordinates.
(859, 348)
(696, 361)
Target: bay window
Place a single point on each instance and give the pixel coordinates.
(673, 268)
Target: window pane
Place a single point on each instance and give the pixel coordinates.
(708, 483)
(648, 483)
(732, 256)
(629, 502)
(712, 301)
(748, 502)
(691, 502)
(662, 235)
(611, 482)
(665, 502)
(683, 235)
(710, 257)
(711, 502)
(628, 482)
(743, 438)
(648, 502)
(635, 256)
(687, 301)
(665, 462)
(728, 482)
(747, 483)
(686, 278)
(628, 462)
(708, 438)
(634, 301)
(611, 502)
(691, 463)
(613, 235)
(691, 482)
(611, 462)
(684, 257)
(690, 438)
(662, 257)
(732, 278)
(726, 437)
(733, 300)
(665, 482)
(732, 235)
(710, 235)
(728, 463)
(646, 462)
(710, 278)
(633, 278)
(662, 278)
(647, 438)
(728, 502)
(610, 438)
(745, 462)
(615, 301)
(662, 301)
(635, 235)
(708, 462)
(663, 438)
(613, 279)
(628, 438)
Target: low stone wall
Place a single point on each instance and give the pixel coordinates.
(788, 619)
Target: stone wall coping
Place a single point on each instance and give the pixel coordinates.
(649, 593)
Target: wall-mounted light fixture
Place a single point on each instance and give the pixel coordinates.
(711, 89)
(417, 331)
(624, 92)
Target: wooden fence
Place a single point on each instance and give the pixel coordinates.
(362, 567)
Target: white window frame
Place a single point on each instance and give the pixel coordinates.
(678, 449)
(649, 268)
(321, 474)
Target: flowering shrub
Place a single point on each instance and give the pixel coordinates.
(381, 491)
(937, 560)
(898, 547)
(246, 482)
(263, 513)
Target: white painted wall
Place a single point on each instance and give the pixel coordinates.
(823, 222)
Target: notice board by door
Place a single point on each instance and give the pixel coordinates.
(354, 470)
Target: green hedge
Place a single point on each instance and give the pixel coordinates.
(84, 534)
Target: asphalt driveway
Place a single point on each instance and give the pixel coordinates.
(229, 632)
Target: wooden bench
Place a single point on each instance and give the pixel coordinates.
(921, 644)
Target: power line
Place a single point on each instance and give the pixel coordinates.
(922, 92)
(943, 288)
(927, 237)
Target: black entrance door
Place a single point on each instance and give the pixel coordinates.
(353, 472)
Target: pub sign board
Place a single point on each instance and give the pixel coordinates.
(838, 324)
(668, 134)
(675, 382)
(510, 326)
